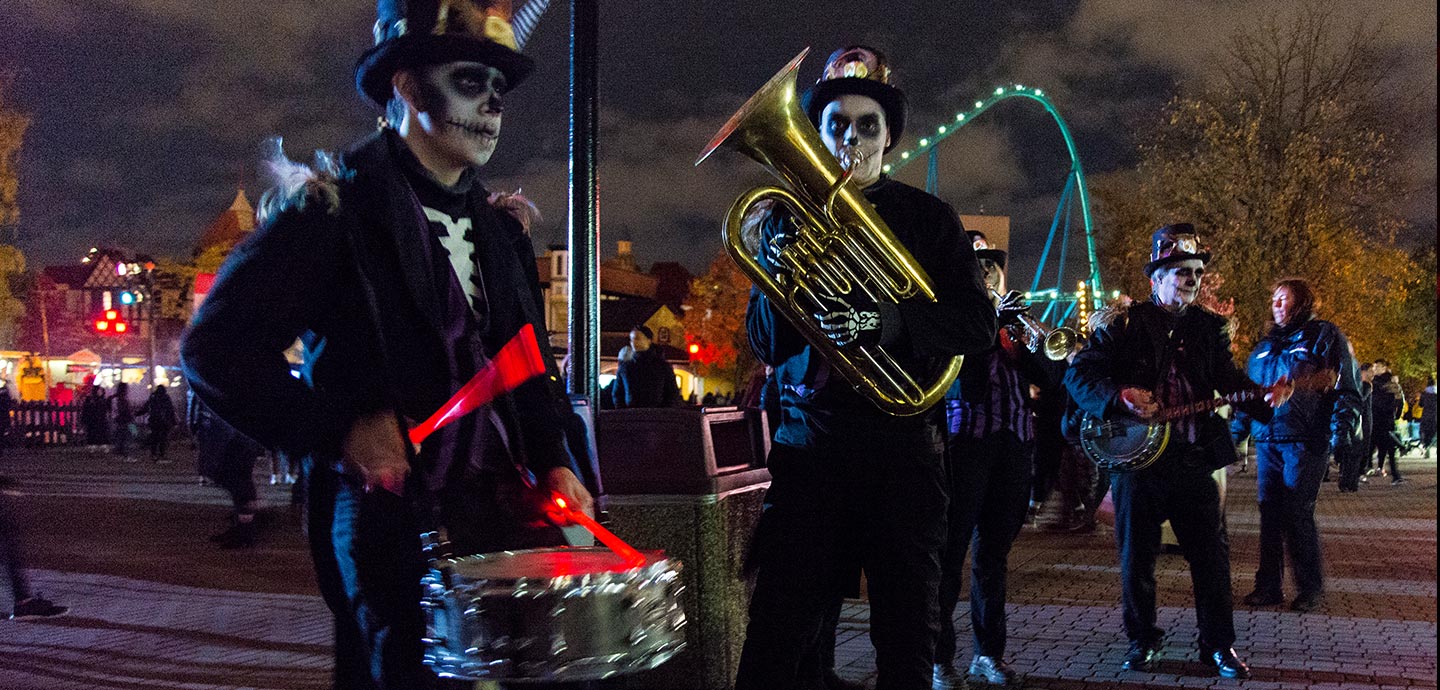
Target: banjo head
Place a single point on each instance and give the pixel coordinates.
(1123, 444)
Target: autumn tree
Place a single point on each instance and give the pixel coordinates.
(12, 304)
(716, 322)
(1287, 162)
(12, 262)
(179, 280)
(12, 133)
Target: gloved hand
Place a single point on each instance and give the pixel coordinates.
(846, 324)
(776, 244)
(1012, 305)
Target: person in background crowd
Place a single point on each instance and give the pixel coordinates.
(7, 403)
(226, 457)
(1388, 403)
(1352, 462)
(95, 416)
(1083, 484)
(160, 418)
(124, 422)
(1048, 404)
(28, 604)
(852, 484)
(1292, 448)
(1427, 417)
(645, 379)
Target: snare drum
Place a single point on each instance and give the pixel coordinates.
(557, 614)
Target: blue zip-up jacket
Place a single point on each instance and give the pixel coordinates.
(1314, 413)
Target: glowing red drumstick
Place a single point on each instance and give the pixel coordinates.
(517, 362)
(632, 557)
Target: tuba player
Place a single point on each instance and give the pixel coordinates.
(853, 485)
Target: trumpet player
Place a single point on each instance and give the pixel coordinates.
(990, 454)
(853, 485)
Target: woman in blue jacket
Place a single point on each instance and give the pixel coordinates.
(1292, 449)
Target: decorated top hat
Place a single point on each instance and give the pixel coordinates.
(983, 250)
(863, 71)
(1174, 243)
(415, 33)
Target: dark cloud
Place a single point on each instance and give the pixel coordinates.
(148, 113)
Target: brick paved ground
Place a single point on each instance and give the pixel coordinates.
(155, 606)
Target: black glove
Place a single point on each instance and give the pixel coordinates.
(1012, 305)
(845, 324)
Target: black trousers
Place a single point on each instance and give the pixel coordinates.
(1287, 486)
(236, 475)
(989, 495)
(1387, 444)
(11, 556)
(1049, 446)
(827, 511)
(1187, 495)
(1352, 464)
(368, 562)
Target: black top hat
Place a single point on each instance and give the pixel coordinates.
(863, 71)
(1174, 243)
(414, 33)
(983, 250)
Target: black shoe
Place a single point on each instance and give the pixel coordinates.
(242, 536)
(834, 682)
(37, 607)
(993, 669)
(1305, 603)
(1225, 663)
(1140, 656)
(1259, 598)
(1393, 482)
(1085, 526)
(226, 534)
(947, 677)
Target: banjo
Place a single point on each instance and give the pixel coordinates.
(1126, 443)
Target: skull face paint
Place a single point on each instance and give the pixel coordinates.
(1176, 286)
(458, 111)
(853, 127)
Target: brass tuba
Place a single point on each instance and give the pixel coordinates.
(841, 244)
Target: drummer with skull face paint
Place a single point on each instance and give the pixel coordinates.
(853, 486)
(403, 276)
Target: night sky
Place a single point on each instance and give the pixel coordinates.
(148, 113)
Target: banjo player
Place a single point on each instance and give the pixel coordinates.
(1160, 353)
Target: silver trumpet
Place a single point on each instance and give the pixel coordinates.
(1058, 341)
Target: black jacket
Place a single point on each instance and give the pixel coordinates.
(1388, 401)
(348, 275)
(822, 406)
(1131, 350)
(646, 380)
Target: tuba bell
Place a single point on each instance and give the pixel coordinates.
(841, 244)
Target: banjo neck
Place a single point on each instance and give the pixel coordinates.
(1316, 380)
(1172, 413)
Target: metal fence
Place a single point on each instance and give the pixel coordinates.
(41, 423)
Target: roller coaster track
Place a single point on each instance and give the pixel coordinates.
(1060, 303)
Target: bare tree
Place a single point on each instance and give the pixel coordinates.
(1288, 162)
